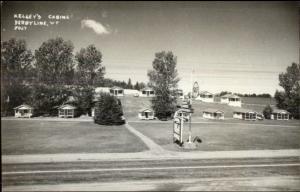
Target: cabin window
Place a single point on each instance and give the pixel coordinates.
(111, 91)
(144, 92)
(69, 111)
(152, 92)
(286, 116)
(120, 91)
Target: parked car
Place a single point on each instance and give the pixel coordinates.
(260, 117)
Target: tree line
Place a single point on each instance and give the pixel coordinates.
(263, 95)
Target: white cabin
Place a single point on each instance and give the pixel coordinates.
(117, 91)
(232, 100)
(23, 111)
(147, 92)
(146, 114)
(280, 114)
(213, 114)
(66, 111)
(205, 96)
(245, 114)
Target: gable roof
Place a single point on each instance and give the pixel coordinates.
(24, 106)
(280, 111)
(211, 110)
(116, 87)
(230, 96)
(147, 89)
(205, 93)
(67, 106)
(243, 110)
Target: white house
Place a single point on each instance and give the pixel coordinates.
(213, 114)
(147, 92)
(23, 111)
(245, 114)
(66, 111)
(146, 114)
(117, 91)
(232, 100)
(205, 96)
(280, 114)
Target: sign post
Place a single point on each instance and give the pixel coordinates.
(179, 118)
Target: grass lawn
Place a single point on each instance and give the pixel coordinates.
(221, 137)
(46, 137)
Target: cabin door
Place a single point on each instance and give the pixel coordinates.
(146, 114)
(147, 93)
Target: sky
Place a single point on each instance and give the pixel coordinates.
(231, 46)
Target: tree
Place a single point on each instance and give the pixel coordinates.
(54, 62)
(108, 110)
(163, 79)
(267, 112)
(129, 85)
(47, 98)
(89, 68)
(83, 99)
(136, 86)
(16, 71)
(289, 99)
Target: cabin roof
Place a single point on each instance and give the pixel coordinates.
(116, 88)
(67, 106)
(147, 89)
(24, 106)
(205, 93)
(280, 111)
(230, 96)
(243, 110)
(211, 110)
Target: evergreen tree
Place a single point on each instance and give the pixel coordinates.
(108, 110)
(267, 112)
(129, 85)
(136, 86)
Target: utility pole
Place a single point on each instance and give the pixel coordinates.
(190, 106)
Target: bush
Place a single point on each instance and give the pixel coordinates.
(267, 112)
(108, 111)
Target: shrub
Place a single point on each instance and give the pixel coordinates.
(267, 112)
(108, 110)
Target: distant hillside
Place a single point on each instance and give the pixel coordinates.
(132, 105)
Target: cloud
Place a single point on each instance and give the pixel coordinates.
(96, 26)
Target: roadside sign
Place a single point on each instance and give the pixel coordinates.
(177, 128)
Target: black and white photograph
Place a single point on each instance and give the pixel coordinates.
(150, 95)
